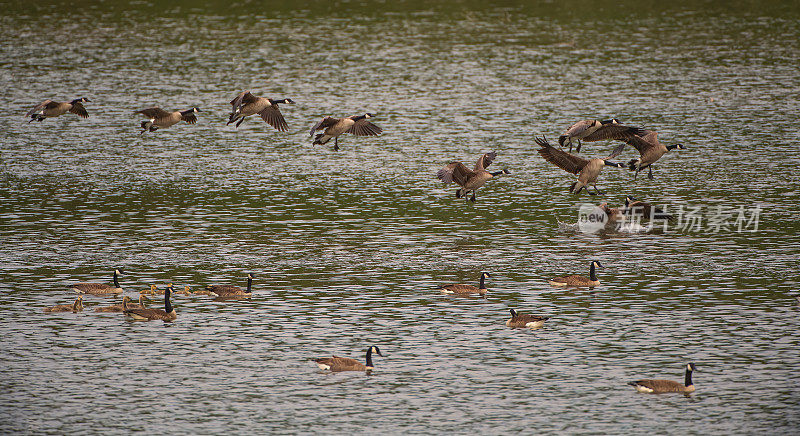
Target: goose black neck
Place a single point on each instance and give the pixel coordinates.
(249, 284)
(167, 303)
(688, 379)
(74, 102)
(497, 173)
(369, 358)
(672, 147)
(483, 282)
(359, 117)
(116, 282)
(592, 272)
(187, 112)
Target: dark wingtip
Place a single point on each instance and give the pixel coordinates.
(633, 383)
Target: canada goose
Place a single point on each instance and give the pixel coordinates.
(614, 216)
(467, 289)
(577, 280)
(588, 170)
(160, 118)
(231, 290)
(50, 109)
(75, 307)
(469, 180)
(126, 303)
(595, 130)
(644, 209)
(99, 288)
(356, 125)
(168, 314)
(336, 363)
(246, 104)
(650, 150)
(663, 386)
(524, 320)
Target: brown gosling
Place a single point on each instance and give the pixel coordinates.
(467, 289)
(75, 307)
(522, 320)
(649, 386)
(126, 302)
(336, 364)
(167, 314)
(578, 280)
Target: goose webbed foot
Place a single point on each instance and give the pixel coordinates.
(578, 148)
(241, 120)
(472, 199)
(650, 173)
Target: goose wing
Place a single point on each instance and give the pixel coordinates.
(323, 124)
(647, 140)
(79, 110)
(579, 127)
(336, 363)
(89, 287)
(242, 99)
(455, 172)
(660, 385)
(146, 313)
(363, 127)
(47, 104)
(224, 289)
(189, 118)
(613, 132)
(567, 162)
(153, 112)
(273, 116)
(484, 161)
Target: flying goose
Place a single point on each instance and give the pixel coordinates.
(160, 118)
(356, 125)
(231, 290)
(469, 180)
(650, 150)
(588, 170)
(246, 104)
(336, 363)
(520, 320)
(467, 289)
(126, 303)
(663, 386)
(577, 280)
(99, 288)
(51, 109)
(595, 130)
(167, 314)
(644, 209)
(75, 307)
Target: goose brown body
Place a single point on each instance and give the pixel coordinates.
(231, 290)
(98, 288)
(159, 118)
(51, 109)
(119, 308)
(246, 104)
(522, 320)
(467, 289)
(75, 307)
(336, 363)
(357, 125)
(650, 150)
(660, 386)
(576, 280)
(166, 314)
(588, 170)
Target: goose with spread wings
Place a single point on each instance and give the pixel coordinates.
(588, 170)
(469, 179)
(157, 117)
(51, 109)
(357, 125)
(595, 130)
(246, 104)
(650, 150)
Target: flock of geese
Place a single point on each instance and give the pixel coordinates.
(469, 180)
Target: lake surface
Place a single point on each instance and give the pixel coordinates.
(348, 246)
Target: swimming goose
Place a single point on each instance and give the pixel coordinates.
(51, 109)
(231, 290)
(336, 363)
(167, 314)
(151, 291)
(467, 289)
(126, 303)
(650, 150)
(356, 125)
(578, 280)
(648, 386)
(160, 118)
(519, 320)
(595, 130)
(588, 170)
(246, 104)
(99, 288)
(644, 209)
(469, 180)
(75, 307)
